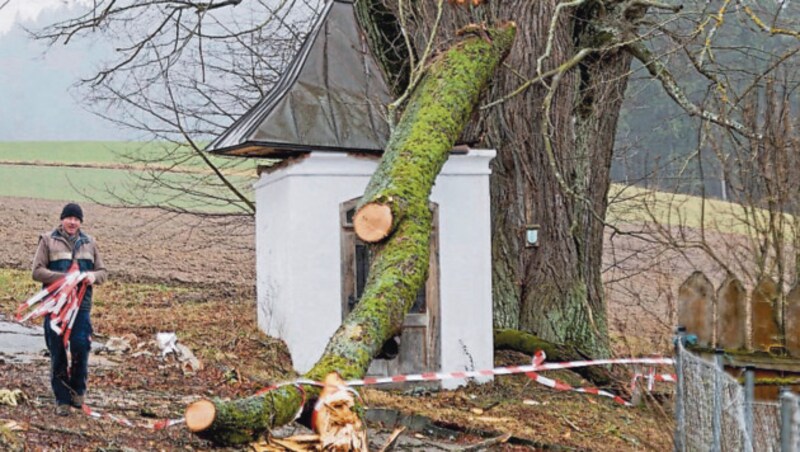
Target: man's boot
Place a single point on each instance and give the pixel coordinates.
(63, 410)
(77, 401)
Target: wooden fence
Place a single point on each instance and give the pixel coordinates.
(723, 318)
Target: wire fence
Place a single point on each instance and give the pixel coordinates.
(714, 412)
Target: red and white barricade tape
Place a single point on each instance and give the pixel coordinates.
(559, 385)
(531, 371)
(538, 365)
(158, 425)
(651, 377)
(61, 300)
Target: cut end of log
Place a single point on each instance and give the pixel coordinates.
(200, 415)
(373, 222)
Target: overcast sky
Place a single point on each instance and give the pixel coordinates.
(36, 103)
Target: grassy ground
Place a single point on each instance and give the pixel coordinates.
(637, 205)
(100, 152)
(74, 151)
(111, 170)
(105, 186)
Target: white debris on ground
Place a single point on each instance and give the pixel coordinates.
(168, 343)
(116, 345)
(11, 397)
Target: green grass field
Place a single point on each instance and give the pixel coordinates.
(638, 205)
(72, 151)
(89, 184)
(108, 152)
(105, 183)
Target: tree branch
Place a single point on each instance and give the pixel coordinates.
(661, 73)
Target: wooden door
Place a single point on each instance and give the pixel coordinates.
(416, 349)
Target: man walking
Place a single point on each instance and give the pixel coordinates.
(55, 254)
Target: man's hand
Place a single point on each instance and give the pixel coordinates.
(90, 278)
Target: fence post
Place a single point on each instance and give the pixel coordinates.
(680, 444)
(749, 398)
(716, 425)
(638, 381)
(786, 419)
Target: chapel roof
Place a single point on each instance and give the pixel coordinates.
(330, 98)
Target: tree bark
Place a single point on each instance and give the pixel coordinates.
(417, 150)
(555, 289)
(437, 112)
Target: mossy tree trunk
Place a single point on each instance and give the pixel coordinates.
(437, 112)
(508, 339)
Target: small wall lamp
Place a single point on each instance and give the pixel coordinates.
(532, 236)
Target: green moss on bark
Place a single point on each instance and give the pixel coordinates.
(437, 112)
(244, 420)
(528, 343)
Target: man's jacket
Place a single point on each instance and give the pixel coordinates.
(55, 254)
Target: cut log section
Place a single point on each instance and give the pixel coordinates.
(373, 222)
(200, 415)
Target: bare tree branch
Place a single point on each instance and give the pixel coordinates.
(659, 71)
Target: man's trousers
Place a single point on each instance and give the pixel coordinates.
(67, 380)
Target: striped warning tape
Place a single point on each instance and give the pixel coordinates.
(559, 385)
(538, 365)
(60, 300)
(157, 425)
(531, 371)
(651, 377)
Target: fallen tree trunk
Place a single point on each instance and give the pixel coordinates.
(419, 146)
(437, 111)
(506, 339)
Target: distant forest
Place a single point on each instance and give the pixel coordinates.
(658, 145)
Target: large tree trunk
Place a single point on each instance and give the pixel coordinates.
(553, 290)
(436, 114)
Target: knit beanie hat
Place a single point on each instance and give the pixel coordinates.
(72, 210)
